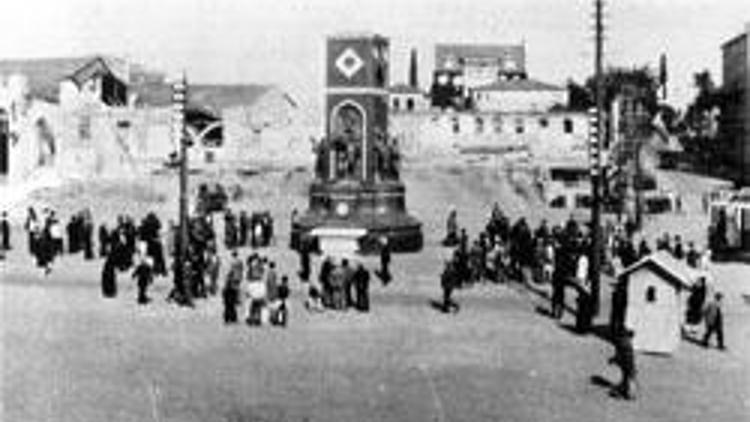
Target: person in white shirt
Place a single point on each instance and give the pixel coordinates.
(256, 293)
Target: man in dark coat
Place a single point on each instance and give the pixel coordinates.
(304, 258)
(695, 303)
(143, 275)
(87, 234)
(324, 278)
(362, 286)
(348, 282)
(5, 231)
(628, 254)
(103, 241)
(448, 283)
(231, 291)
(624, 358)
(243, 228)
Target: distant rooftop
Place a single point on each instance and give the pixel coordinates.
(447, 55)
(356, 35)
(45, 74)
(742, 36)
(519, 85)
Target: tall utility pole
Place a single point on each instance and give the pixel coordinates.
(179, 99)
(596, 172)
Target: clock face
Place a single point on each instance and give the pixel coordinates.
(342, 209)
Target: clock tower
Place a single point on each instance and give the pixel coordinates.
(357, 183)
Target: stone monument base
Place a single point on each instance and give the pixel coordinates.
(379, 208)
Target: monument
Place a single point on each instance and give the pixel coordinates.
(357, 186)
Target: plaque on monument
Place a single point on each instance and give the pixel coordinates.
(357, 180)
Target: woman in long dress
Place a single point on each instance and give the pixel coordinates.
(109, 277)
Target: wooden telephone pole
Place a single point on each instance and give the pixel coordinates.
(596, 168)
(181, 294)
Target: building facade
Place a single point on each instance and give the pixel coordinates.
(98, 117)
(735, 114)
(406, 98)
(515, 95)
(461, 67)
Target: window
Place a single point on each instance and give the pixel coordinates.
(410, 104)
(568, 126)
(519, 125)
(209, 157)
(84, 127)
(456, 126)
(396, 103)
(497, 122)
(651, 294)
(479, 124)
(543, 122)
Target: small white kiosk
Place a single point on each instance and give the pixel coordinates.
(657, 289)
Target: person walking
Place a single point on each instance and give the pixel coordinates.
(144, 275)
(624, 358)
(714, 317)
(448, 283)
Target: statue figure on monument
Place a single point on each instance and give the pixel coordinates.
(395, 160)
(348, 141)
(321, 149)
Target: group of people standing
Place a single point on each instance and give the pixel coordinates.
(127, 246)
(255, 230)
(253, 289)
(45, 237)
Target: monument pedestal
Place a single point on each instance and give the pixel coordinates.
(379, 208)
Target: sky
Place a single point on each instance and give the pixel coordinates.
(283, 41)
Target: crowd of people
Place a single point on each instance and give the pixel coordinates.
(506, 250)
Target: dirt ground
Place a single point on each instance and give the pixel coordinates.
(70, 355)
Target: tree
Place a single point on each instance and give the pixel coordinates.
(637, 81)
(579, 97)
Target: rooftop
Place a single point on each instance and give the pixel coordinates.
(502, 52)
(519, 85)
(664, 264)
(45, 74)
